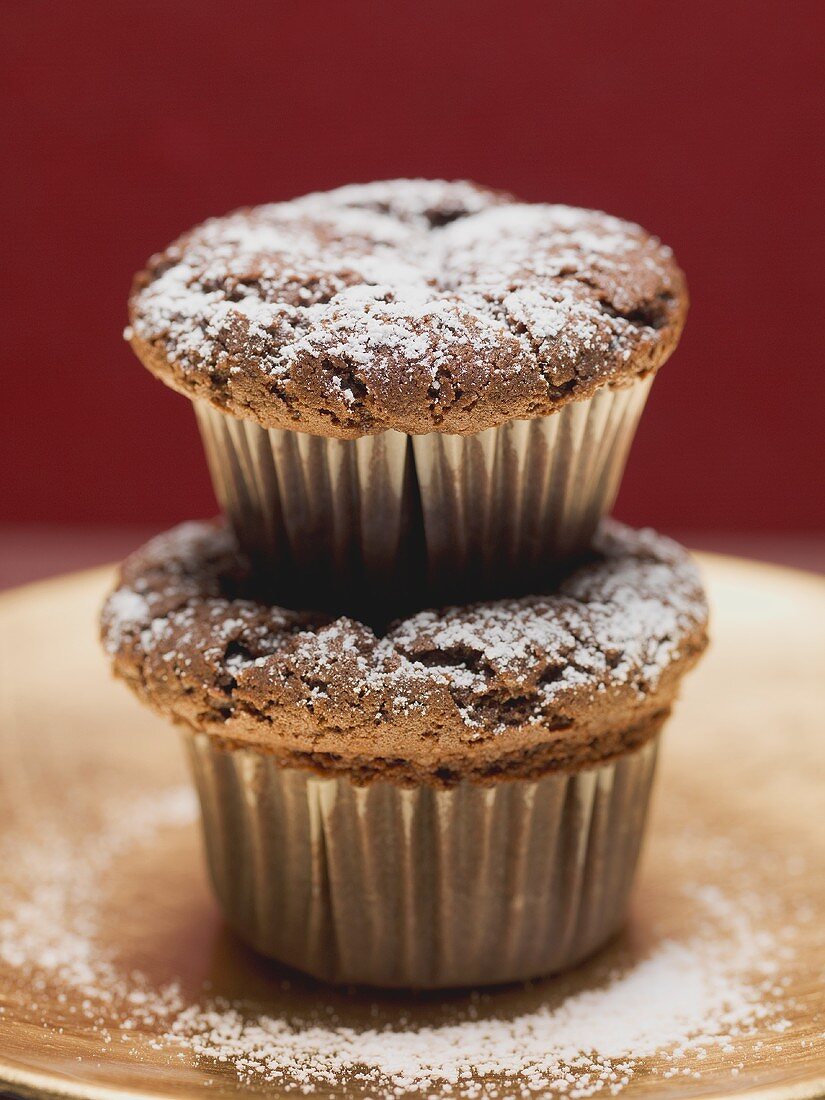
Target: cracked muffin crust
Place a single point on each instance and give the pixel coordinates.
(416, 305)
(511, 688)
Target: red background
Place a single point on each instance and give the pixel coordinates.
(128, 123)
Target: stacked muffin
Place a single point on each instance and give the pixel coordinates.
(421, 679)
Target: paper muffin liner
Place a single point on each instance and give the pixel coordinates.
(424, 887)
(462, 511)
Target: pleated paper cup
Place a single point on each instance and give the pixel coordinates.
(424, 887)
(459, 513)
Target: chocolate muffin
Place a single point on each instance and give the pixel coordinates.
(459, 800)
(412, 376)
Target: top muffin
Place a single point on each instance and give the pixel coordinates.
(415, 305)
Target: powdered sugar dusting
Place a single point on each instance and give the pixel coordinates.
(619, 622)
(703, 990)
(126, 608)
(50, 926)
(395, 282)
(683, 997)
(375, 275)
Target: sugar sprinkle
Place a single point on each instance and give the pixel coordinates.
(691, 994)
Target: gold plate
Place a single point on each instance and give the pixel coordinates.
(740, 795)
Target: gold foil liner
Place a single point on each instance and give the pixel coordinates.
(462, 512)
(423, 887)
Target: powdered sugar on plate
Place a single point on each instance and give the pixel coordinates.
(690, 994)
(684, 996)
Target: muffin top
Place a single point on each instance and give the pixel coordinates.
(504, 688)
(418, 305)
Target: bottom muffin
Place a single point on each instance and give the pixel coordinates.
(458, 801)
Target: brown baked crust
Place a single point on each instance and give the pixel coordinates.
(509, 688)
(418, 305)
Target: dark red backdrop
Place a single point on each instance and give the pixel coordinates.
(127, 123)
